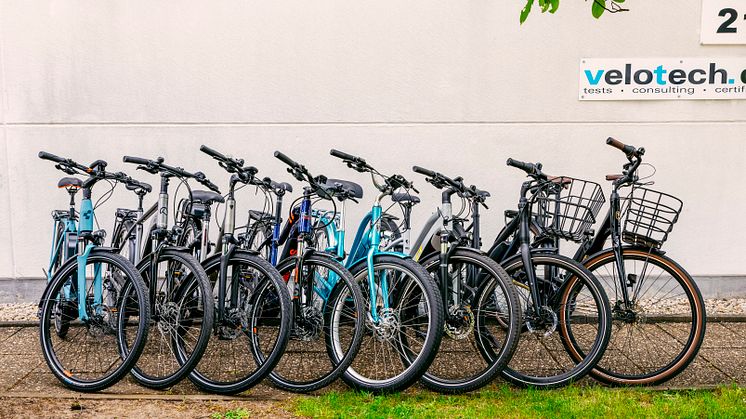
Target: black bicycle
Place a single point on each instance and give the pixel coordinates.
(182, 307)
(328, 306)
(253, 310)
(658, 311)
(563, 304)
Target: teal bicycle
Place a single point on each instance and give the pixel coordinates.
(404, 306)
(81, 308)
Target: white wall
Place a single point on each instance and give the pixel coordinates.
(456, 86)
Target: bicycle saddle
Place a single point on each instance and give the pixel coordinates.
(70, 182)
(350, 189)
(259, 215)
(405, 197)
(207, 197)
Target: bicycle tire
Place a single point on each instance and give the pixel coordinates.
(491, 276)
(668, 368)
(271, 277)
(134, 281)
(579, 276)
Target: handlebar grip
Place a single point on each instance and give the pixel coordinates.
(285, 159)
(51, 157)
(135, 160)
(627, 149)
(342, 155)
(423, 171)
(529, 168)
(213, 153)
(615, 143)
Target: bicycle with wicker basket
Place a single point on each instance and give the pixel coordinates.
(657, 309)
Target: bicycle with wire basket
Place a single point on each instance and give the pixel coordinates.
(657, 309)
(564, 304)
(93, 295)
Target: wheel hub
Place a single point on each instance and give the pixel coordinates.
(387, 326)
(309, 325)
(460, 323)
(545, 322)
(168, 315)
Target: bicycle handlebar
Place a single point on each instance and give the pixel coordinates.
(344, 156)
(423, 171)
(135, 160)
(628, 150)
(287, 160)
(529, 168)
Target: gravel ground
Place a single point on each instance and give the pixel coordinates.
(27, 311)
(18, 312)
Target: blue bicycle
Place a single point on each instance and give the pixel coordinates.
(86, 308)
(403, 314)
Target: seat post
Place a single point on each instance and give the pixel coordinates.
(72, 191)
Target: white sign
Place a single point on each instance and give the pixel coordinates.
(662, 78)
(723, 22)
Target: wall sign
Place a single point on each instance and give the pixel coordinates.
(662, 78)
(723, 22)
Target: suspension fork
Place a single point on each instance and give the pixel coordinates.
(524, 237)
(275, 241)
(446, 251)
(374, 237)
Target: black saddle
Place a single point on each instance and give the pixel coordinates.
(349, 189)
(405, 197)
(207, 197)
(70, 182)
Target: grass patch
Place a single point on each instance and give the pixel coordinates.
(239, 413)
(507, 402)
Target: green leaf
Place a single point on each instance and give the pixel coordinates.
(555, 6)
(599, 7)
(544, 4)
(618, 1)
(526, 10)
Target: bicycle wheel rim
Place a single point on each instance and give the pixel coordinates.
(97, 340)
(460, 364)
(543, 359)
(672, 320)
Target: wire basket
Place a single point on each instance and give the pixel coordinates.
(649, 217)
(569, 208)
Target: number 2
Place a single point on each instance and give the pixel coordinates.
(725, 27)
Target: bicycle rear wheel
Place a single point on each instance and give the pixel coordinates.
(660, 332)
(89, 357)
(573, 306)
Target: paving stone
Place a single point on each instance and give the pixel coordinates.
(718, 335)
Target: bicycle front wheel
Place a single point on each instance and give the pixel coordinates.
(256, 320)
(88, 357)
(401, 343)
(181, 318)
(573, 306)
(659, 332)
(327, 324)
(486, 311)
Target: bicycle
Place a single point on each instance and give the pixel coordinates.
(404, 312)
(253, 309)
(182, 307)
(657, 309)
(327, 303)
(563, 303)
(81, 308)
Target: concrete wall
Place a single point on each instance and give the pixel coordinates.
(456, 86)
